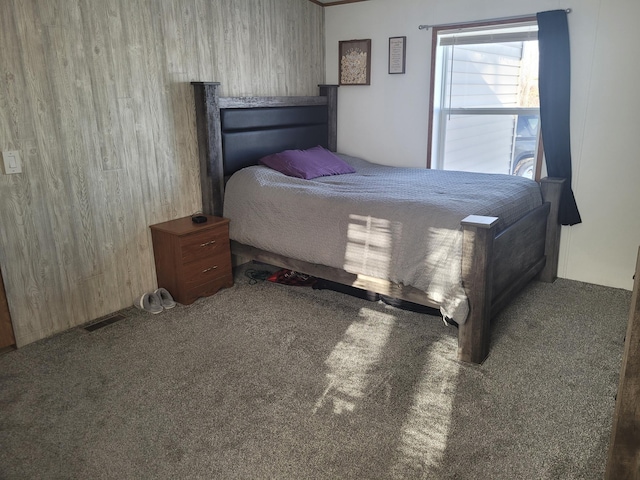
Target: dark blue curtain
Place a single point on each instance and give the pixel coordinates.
(555, 89)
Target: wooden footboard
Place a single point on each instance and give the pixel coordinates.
(495, 267)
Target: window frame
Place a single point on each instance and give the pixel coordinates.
(436, 29)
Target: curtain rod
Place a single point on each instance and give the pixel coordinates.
(503, 19)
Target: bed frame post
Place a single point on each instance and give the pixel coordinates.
(331, 92)
(477, 278)
(207, 98)
(551, 189)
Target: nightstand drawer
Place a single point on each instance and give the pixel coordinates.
(204, 244)
(207, 269)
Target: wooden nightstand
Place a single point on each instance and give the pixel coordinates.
(192, 259)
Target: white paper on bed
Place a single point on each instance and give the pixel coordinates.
(398, 224)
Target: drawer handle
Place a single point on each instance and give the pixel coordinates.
(207, 243)
(209, 269)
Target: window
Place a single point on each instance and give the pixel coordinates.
(485, 110)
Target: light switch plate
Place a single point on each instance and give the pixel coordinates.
(12, 162)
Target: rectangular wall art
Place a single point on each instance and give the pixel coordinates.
(397, 54)
(355, 62)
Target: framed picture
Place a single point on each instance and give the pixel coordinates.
(355, 62)
(397, 54)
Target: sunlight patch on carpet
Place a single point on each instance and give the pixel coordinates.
(425, 432)
(354, 364)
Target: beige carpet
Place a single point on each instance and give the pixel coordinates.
(265, 381)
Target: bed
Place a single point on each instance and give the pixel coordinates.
(492, 250)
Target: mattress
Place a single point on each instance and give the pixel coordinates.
(397, 224)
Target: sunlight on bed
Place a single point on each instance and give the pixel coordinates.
(353, 364)
(443, 257)
(444, 260)
(424, 434)
(369, 244)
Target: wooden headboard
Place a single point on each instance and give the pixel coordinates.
(235, 132)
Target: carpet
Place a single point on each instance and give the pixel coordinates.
(266, 381)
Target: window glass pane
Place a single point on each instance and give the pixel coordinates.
(525, 144)
(491, 143)
(486, 102)
(486, 75)
(490, 34)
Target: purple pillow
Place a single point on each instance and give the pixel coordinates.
(307, 164)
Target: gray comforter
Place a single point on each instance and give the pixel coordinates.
(398, 224)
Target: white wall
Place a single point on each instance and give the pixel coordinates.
(387, 122)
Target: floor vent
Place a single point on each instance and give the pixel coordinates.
(104, 323)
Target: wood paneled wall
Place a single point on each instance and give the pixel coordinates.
(96, 96)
